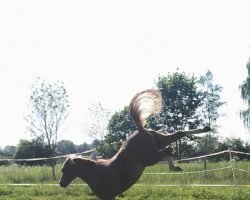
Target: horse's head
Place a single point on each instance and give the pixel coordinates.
(68, 172)
(76, 167)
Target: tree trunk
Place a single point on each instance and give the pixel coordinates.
(53, 162)
(205, 153)
(53, 170)
(177, 149)
(180, 149)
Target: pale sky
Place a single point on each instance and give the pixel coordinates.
(106, 51)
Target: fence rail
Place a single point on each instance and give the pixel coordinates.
(51, 158)
(230, 166)
(92, 150)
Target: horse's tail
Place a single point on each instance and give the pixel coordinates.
(144, 104)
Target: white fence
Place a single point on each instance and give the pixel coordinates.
(51, 158)
(231, 165)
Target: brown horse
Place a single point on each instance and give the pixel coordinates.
(109, 178)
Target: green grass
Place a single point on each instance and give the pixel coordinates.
(224, 177)
(43, 174)
(43, 192)
(146, 188)
(24, 174)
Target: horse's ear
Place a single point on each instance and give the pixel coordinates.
(71, 161)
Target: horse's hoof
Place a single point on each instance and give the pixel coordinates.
(175, 169)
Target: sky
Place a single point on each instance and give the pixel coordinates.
(106, 51)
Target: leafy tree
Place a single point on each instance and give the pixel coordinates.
(181, 101)
(9, 151)
(65, 147)
(85, 146)
(95, 144)
(187, 149)
(96, 121)
(211, 102)
(245, 95)
(82, 147)
(31, 149)
(2, 155)
(1, 151)
(120, 126)
(202, 141)
(235, 144)
(49, 107)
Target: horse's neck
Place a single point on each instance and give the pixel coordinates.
(85, 169)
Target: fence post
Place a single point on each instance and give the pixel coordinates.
(232, 164)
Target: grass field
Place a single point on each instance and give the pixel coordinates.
(44, 192)
(150, 186)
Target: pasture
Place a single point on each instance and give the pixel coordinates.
(156, 183)
(82, 192)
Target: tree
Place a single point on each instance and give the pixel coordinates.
(181, 101)
(82, 147)
(31, 149)
(96, 121)
(200, 145)
(235, 144)
(49, 107)
(95, 144)
(120, 126)
(65, 147)
(9, 151)
(3, 155)
(85, 146)
(211, 102)
(245, 95)
(1, 152)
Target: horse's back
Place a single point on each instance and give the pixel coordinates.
(139, 145)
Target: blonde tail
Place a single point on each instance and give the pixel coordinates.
(144, 104)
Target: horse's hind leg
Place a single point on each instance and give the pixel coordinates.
(170, 161)
(171, 165)
(156, 156)
(167, 139)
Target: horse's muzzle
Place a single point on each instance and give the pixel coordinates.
(62, 184)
